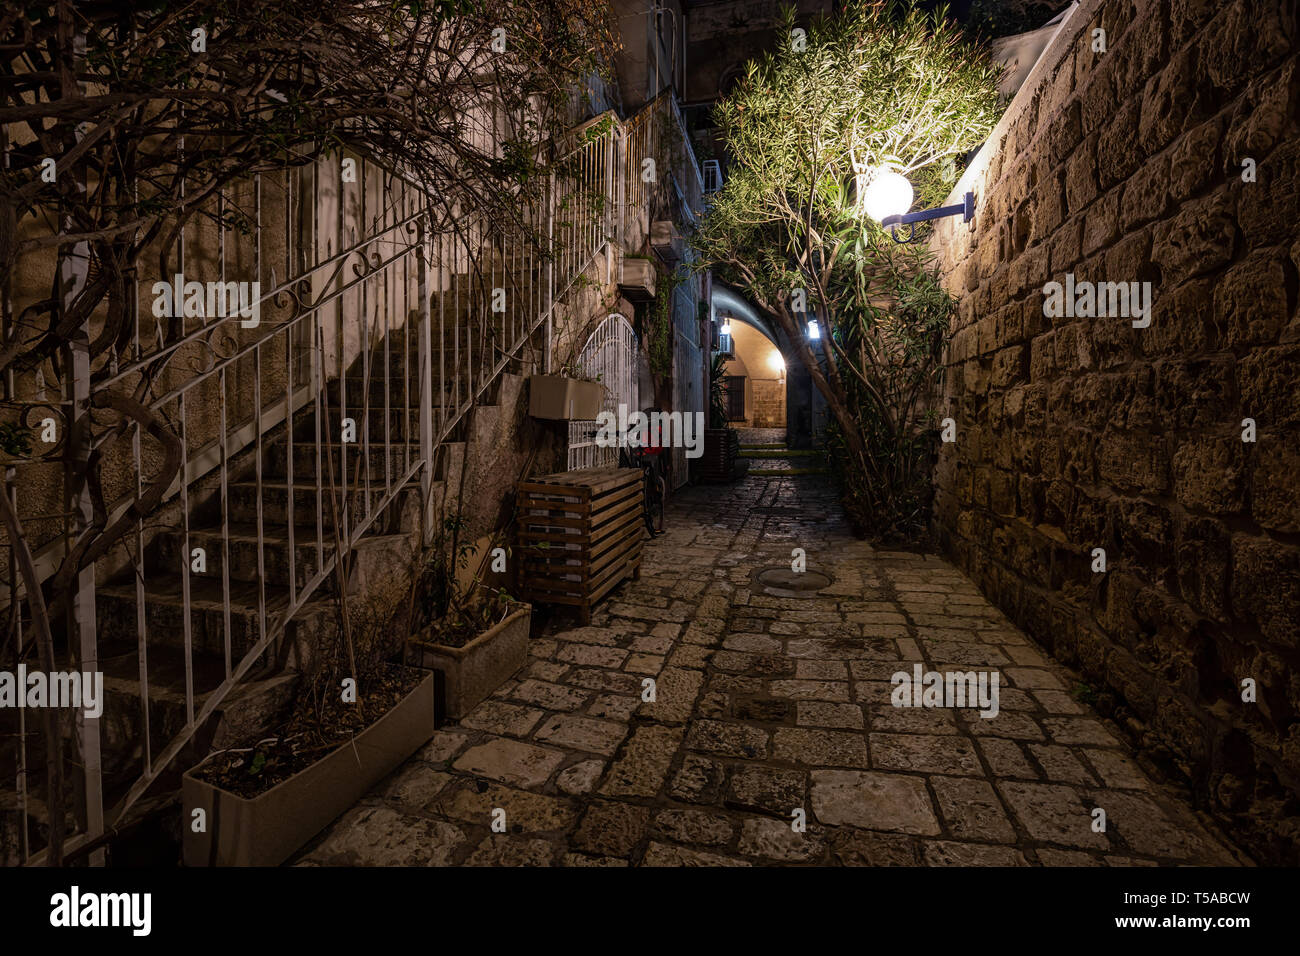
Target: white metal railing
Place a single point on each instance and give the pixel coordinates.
(656, 135)
(378, 331)
(297, 437)
(687, 172)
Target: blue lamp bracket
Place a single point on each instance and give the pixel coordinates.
(965, 209)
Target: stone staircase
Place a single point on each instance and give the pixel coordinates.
(297, 521)
(778, 460)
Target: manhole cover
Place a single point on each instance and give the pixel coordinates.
(782, 582)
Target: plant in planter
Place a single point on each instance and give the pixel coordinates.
(569, 396)
(718, 392)
(473, 635)
(354, 719)
(721, 444)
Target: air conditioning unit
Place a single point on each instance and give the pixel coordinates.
(667, 242)
(637, 279)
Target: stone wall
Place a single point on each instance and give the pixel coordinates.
(722, 37)
(769, 403)
(1173, 157)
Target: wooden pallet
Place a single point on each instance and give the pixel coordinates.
(580, 535)
(719, 461)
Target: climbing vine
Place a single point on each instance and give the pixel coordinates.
(659, 326)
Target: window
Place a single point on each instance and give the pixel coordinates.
(711, 173)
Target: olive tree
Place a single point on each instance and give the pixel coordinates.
(874, 87)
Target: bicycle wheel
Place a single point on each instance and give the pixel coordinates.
(658, 508)
(647, 498)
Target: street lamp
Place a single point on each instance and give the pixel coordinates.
(888, 196)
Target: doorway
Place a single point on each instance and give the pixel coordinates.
(735, 389)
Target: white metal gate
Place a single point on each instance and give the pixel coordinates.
(610, 356)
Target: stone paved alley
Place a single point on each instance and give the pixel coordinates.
(767, 704)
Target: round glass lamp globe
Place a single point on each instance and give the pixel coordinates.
(888, 194)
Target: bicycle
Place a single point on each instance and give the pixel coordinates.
(656, 489)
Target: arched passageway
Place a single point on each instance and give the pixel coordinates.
(769, 394)
(755, 377)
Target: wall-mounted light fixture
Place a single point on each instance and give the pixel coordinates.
(884, 193)
(965, 209)
(724, 336)
(814, 332)
(888, 196)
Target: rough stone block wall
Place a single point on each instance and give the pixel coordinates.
(1173, 157)
(769, 403)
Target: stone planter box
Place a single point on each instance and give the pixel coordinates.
(564, 399)
(471, 673)
(265, 830)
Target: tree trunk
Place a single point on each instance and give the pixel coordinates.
(831, 390)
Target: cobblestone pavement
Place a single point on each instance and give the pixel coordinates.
(761, 436)
(767, 705)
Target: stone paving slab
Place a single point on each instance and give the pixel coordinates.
(773, 737)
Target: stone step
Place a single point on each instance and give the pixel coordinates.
(396, 389)
(786, 472)
(244, 542)
(466, 351)
(247, 710)
(165, 612)
(779, 453)
(273, 496)
(374, 426)
(379, 460)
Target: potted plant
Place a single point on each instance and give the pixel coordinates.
(15, 443)
(474, 636)
(569, 396)
(354, 719)
(721, 444)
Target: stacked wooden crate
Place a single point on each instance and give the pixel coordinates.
(580, 535)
